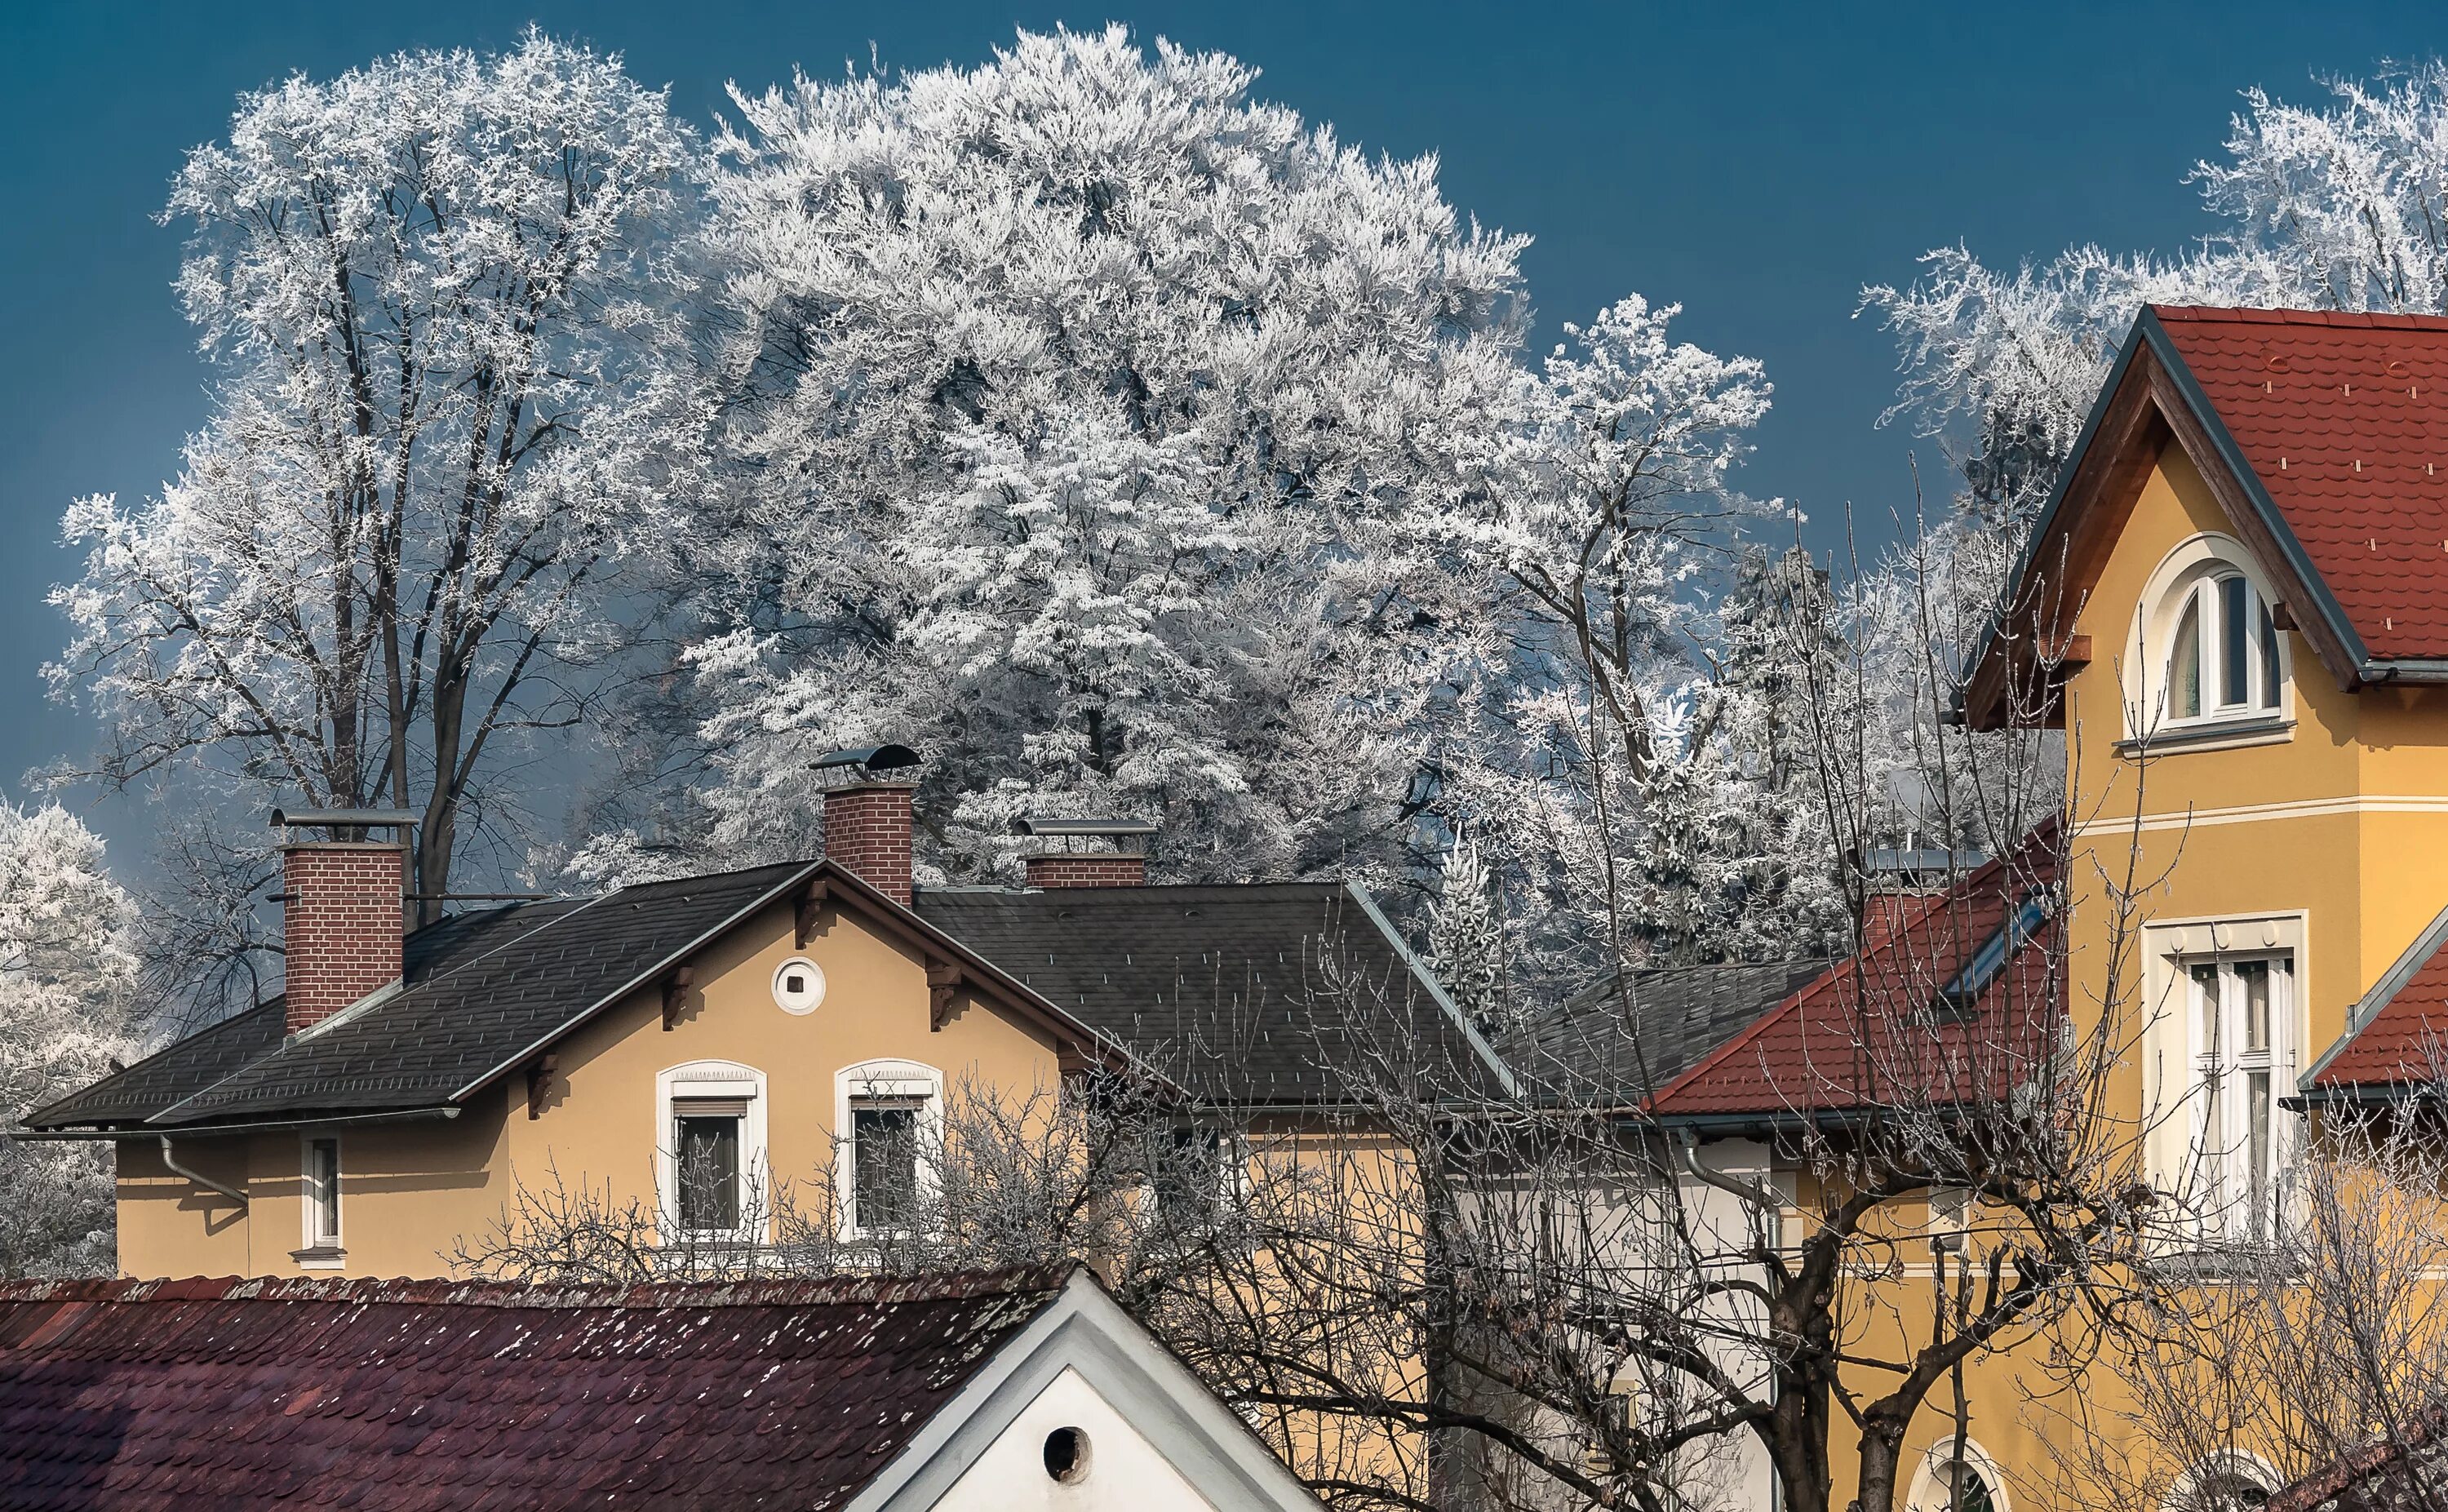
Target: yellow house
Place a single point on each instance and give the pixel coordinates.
(684, 1046)
(2236, 608)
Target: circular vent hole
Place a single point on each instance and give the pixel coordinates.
(798, 986)
(1066, 1455)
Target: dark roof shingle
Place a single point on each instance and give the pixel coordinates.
(1244, 993)
(398, 1396)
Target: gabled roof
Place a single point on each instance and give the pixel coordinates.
(1625, 1038)
(2391, 1472)
(1900, 1025)
(200, 1395)
(2397, 1036)
(481, 996)
(1244, 993)
(2324, 436)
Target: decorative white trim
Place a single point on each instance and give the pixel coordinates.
(715, 1079)
(1930, 1492)
(1085, 1330)
(2257, 812)
(880, 1079)
(2240, 1464)
(807, 1001)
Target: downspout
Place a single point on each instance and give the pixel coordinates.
(198, 1176)
(1756, 1196)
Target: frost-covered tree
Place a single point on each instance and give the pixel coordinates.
(441, 294)
(1592, 748)
(1466, 935)
(66, 981)
(2339, 207)
(1073, 399)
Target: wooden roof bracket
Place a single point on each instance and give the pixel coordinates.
(943, 980)
(676, 996)
(541, 1077)
(811, 903)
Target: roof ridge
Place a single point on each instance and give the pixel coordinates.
(2278, 314)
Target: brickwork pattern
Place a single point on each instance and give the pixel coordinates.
(1093, 870)
(867, 830)
(343, 925)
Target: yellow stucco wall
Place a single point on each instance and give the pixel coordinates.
(408, 1189)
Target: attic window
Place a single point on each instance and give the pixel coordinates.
(2212, 649)
(1988, 963)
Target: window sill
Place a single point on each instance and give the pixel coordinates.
(329, 1257)
(2226, 735)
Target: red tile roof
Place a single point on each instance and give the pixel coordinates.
(2343, 418)
(1875, 1030)
(204, 1395)
(2397, 1037)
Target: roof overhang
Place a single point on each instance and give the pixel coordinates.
(2150, 398)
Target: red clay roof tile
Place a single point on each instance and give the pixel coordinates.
(1874, 1031)
(2343, 418)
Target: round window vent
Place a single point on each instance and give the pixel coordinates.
(798, 986)
(1066, 1455)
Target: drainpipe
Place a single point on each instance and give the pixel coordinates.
(198, 1176)
(1756, 1196)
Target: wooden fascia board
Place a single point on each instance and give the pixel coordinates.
(2150, 397)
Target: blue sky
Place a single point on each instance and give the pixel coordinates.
(1757, 163)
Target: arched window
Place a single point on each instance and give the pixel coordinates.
(2212, 652)
(1951, 1483)
(2233, 1481)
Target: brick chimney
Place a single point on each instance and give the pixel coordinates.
(343, 910)
(1085, 852)
(867, 816)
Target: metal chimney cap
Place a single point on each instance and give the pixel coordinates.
(1049, 825)
(872, 758)
(346, 818)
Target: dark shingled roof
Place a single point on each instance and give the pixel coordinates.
(1239, 993)
(484, 990)
(1243, 993)
(398, 1396)
(1588, 1048)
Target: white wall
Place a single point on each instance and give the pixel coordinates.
(1124, 1470)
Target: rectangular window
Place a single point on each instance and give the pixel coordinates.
(705, 1162)
(2239, 1013)
(1188, 1175)
(884, 1161)
(323, 1194)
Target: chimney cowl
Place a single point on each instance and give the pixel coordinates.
(1099, 852)
(867, 765)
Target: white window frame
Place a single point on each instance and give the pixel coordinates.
(317, 1250)
(710, 1080)
(2227, 1464)
(2191, 577)
(2198, 1067)
(1931, 1490)
(1232, 1172)
(881, 1080)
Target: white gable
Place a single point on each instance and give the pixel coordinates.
(1119, 1471)
(1156, 1437)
